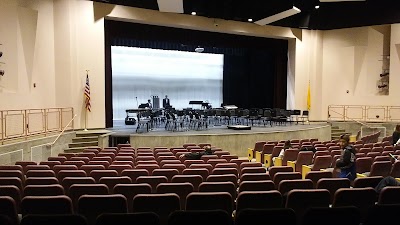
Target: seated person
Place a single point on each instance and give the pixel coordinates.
(347, 162)
(149, 105)
(308, 149)
(197, 155)
(386, 182)
(282, 153)
(312, 149)
(396, 136)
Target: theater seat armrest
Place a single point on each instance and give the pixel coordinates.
(267, 160)
(278, 161)
(292, 164)
(250, 153)
(361, 175)
(305, 169)
(258, 156)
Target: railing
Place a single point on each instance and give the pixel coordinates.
(63, 130)
(16, 124)
(364, 113)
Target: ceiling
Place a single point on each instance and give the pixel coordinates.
(330, 15)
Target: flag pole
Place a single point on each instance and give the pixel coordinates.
(85, 120)
(87, 74)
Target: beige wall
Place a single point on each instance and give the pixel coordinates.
(395, 63)
(28, 48)
(53, 42)
(79, 47)
(38, 149)
(308, 70)
(342, 60)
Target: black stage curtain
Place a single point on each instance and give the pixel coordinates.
(255, 69)
(249, 80)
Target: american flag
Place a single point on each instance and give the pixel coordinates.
(87, 94)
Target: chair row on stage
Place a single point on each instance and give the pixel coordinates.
(190, 119)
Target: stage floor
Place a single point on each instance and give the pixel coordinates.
(120, 129)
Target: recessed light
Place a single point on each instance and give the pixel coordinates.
(250, 20)
(317, 7)
(194, 13)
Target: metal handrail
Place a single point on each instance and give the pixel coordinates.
(382, 113)
(344, 116)
(59, 135)
(24, 123)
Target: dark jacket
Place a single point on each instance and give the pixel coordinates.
(304, 149)
(166, 103)
(395, 137)
(386, 182)
(197, 155)
(348, 158)
(347, 163)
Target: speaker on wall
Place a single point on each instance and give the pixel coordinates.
(305, 21)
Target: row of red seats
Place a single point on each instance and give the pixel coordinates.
(91, 206)
(276, 174)
(379, 214)
(298, 143)
(59, 172)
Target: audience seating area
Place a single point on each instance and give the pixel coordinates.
(125, 185)
(372, 158)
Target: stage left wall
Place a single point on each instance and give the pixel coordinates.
(47, 47)
(34, 149)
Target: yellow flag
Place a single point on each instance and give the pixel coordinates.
(308, 97)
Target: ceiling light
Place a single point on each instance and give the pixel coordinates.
(199, 49)
(287, 13)
(194, 13)
(250, 20)
(317, 7)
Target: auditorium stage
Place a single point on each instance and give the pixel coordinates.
(235, 141)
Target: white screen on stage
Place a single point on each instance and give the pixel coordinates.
(140, 73)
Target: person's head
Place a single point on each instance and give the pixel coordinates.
(149, 101)
(287, 145)
(166, 96)
(312, 149)
(344, 140)
(207, 148)
(398, 127)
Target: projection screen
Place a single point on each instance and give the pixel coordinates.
(140, 73)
